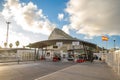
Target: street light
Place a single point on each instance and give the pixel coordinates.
(114, 45)
(7, 32)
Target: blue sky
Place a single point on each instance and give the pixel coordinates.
(33, 20)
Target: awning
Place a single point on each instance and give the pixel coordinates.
(46, 43)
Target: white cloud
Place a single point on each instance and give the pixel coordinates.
(66, 29)
(17, 33)
(94, 17)
(60, 16)
(28, 16)
(13, 36)
(28, 23)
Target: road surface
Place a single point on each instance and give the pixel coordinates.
(30, 71)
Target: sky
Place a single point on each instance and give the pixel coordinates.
(34, 20)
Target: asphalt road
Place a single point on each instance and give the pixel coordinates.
(30, 71)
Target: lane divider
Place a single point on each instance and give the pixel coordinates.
(40, 78)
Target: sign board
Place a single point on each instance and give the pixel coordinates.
(75, 43)
(59, 44)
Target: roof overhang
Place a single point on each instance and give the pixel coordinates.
(46, 43)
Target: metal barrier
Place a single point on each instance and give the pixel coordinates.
(19, 56)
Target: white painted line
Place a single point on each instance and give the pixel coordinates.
(54, 73)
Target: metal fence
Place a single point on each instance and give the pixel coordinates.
(19, 55)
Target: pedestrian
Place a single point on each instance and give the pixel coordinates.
(92, 58)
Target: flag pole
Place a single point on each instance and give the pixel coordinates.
(106, 45)
(102, 47)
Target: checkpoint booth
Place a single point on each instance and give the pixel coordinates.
(61, 46)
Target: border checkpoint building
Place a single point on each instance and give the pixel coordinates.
(62, 45)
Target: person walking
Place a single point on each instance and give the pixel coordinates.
(91, 56)
(92, 59)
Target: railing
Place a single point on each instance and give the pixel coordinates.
(19, 56)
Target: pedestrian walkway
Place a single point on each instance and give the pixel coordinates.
(16, 63)
(85, 71)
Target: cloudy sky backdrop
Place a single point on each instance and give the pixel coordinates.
(33, 20)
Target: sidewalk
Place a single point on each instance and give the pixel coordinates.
(16, 63)
(84, 71)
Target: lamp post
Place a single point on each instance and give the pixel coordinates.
(114, 45)
(7, 32)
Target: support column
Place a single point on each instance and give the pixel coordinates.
(35, 55)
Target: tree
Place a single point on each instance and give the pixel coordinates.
(17, 43)
(5, 44)
(10, 45)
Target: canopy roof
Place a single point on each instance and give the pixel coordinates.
(57, 35)
(45, 43)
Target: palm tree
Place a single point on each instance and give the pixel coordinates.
(5, 44)
(10, 45)
(17, 43)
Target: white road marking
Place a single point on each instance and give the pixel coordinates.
(53, 73)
